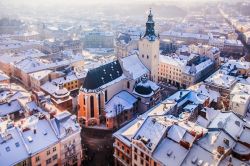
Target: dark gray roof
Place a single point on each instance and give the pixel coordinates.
(102, 75)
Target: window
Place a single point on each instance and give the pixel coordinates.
(48, 161)
(128, 84)
(122, 147)
(54, 157)
(84, 101)
(142, 161)
(92, 113)
(135, 157)
(48, 152)
(147, 56)
(142, 155)
(37, 158)
(155, 164)
(106, 95)
(54, 149)
(143, 55)
(135, 150)
(99, 103)
(147, 158)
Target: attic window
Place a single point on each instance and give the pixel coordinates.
(7, 149)
(17, 144)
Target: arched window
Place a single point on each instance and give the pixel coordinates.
(92, 110)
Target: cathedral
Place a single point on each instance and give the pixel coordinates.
(114, 93)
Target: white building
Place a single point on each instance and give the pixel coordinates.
(240, 99)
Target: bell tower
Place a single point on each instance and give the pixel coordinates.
(149, 46)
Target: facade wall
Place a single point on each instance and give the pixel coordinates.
(71, 150)
(84, 101)
(122, 154)
(149, 55)
(49, 156)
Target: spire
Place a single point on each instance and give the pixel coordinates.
(150, 32)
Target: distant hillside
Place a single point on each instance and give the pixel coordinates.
(137, 10)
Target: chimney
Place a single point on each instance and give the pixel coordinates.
(34, 131)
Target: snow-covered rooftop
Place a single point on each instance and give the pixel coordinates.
(201, 88)
(13, 149)
(133, 66)
(240, 93)
(43, 137)
(119, 103)
(40, 74)
(229, 122)
(222, 80)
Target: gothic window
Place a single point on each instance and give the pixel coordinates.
(92, 114)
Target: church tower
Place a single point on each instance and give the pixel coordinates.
(149, 48)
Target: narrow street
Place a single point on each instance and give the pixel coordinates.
(97, 147)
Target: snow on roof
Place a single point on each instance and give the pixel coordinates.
(174, 61)
(211, 113)
(229, 122)
(163, 108)
(221, 79)
(119, 103)
(133, 66)
(239, 64)
(13, 58)
(200, 67)
(170, 152)
(43, 138)
(126, 133)
(240, 93)
(153, 129)
(185, 35)
(145, 84)
(13, 150)
(176, 133)
(241, 149)
(40, 74)
(199, 156)
(13, 44)
(202, 121)
(245, 135)
(186, 95)
(201, 88)
(30, 65)
(65, 79)
(232, 42)
(11, 107)
(212, 140)
(65, 123)
(54, 90)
